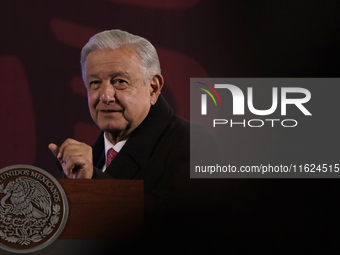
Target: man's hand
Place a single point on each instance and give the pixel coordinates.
(75, 158)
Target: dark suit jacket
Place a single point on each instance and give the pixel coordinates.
(157, 151)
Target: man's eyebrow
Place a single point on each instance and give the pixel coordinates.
(114, 74)
(120, 73)
(92, 76)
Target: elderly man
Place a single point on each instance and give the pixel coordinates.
(141, 136)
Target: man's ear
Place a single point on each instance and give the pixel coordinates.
(156, 84)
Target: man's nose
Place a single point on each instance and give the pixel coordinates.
(107, 93)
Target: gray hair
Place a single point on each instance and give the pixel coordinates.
(115, 39)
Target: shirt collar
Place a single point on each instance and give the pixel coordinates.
(117, 147)
(108, 145)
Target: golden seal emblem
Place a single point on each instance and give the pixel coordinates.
(33, 209)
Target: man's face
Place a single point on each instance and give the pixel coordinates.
(118, 99)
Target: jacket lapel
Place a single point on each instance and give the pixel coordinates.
(98, 154)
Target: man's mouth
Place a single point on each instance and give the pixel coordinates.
(110, 111)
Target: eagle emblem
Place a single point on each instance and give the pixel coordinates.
(28, 198)
(26, 211)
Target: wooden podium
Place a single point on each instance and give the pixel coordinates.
(103, 209)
